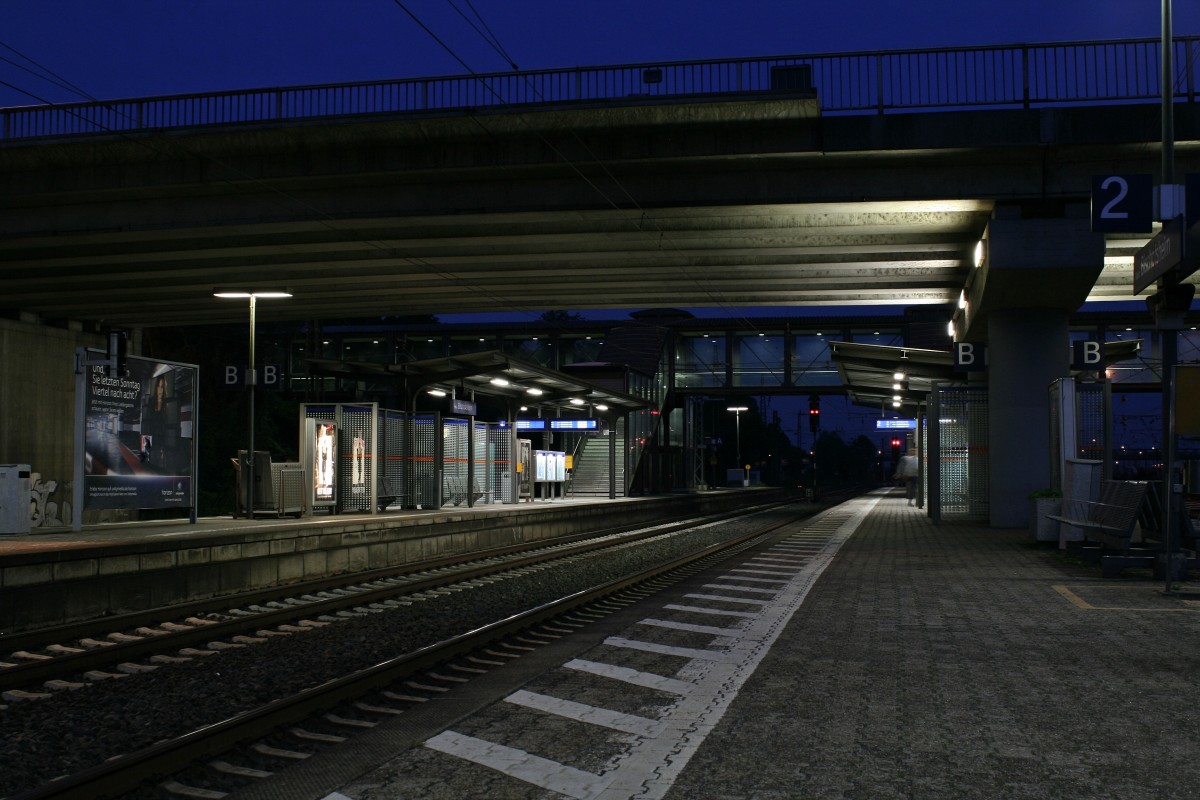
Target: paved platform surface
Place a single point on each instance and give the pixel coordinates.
(957, 661)
(950, 661)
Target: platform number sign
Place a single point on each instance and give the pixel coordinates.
(1122, 203)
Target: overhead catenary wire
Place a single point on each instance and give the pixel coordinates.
(642, 215)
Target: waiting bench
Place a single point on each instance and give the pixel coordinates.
(1111, 520)
(391, 490)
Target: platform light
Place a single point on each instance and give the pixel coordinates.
(437, 392)
(499, 382)
(980, 251)
(575, 401)
(243, 294)
(533, 391)
(253, 296)
(737, 422)
(602, 407)
(898, 375)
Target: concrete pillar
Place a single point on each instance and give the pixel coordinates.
(1027, 350)
(1034, 272)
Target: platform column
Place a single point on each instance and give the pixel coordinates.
(1027, 350)
(1035, 266)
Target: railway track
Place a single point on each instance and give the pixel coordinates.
(37, 663)
(464, 653)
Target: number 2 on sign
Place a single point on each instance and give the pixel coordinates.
(1122, 190)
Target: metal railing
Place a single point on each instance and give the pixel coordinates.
(1020, 76)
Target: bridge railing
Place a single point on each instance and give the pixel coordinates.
(1022, 76)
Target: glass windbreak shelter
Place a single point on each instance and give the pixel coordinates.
(402, 458)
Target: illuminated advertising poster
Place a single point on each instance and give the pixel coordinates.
(551, 466)
(322, 442)
(139, 436)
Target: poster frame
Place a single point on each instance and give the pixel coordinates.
(176, 488)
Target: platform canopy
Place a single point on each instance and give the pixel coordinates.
(872, 372)
(490, 373)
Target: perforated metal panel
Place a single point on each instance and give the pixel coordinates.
(500, 466)
(424, 486)
(323, 412)
(454, 461)
(1091, 404)
(356, 463)
(963, 458)
(389, 456)
(1080, 421)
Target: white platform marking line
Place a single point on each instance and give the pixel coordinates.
(519, 764)
(775, 581)
(650, 769)
(726, 599)
(683, 626)
(647, 680)
(667, 650)
(761, 571)
(732, 588)
(716, 612)
(581, 712)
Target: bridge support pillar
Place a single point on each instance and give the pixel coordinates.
(1034, 271)
(1027, 350)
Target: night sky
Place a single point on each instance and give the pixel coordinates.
(135, 48)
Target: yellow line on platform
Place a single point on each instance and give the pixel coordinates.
(1079, 602)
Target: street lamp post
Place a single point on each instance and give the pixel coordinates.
(737, 427)
(251, 381)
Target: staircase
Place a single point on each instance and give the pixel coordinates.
(590, 476)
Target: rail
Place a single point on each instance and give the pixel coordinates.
(1019, 75)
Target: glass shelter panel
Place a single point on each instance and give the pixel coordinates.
(885, 337)
(419, 348)
(538, 350)
(700, 361)
(963, 460)
(758, 359)
(580, 349)
(812, 364)
(372, 348)
(473, 343)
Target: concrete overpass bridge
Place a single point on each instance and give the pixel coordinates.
(851, 179)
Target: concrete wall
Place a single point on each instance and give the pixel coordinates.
(37, 406)
(56, 586)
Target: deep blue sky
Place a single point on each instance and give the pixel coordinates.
(134, 48)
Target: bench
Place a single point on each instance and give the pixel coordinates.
(1111, 520)
(456, 491)
(1187, 544)
(390, 490)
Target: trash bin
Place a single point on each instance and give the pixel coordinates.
(263, 495)
(14, 498)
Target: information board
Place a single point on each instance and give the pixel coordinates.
(138, 435)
